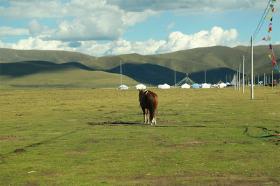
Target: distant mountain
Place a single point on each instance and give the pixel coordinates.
(217, 63)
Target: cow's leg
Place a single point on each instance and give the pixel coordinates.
(153, 117)
(147, 116)
(154, 121)
(144, 114)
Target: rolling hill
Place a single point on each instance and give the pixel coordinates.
(63, 68)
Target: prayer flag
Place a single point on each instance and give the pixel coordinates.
(273, 60)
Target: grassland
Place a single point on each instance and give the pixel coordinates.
(219, 62)
(95, 137)
(74, 78)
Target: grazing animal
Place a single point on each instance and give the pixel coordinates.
(148, 101)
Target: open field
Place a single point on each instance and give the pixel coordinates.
(95, 137)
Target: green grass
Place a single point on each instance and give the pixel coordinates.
(74, 78)
(95, 137)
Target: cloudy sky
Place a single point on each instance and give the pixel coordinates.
(111, 27)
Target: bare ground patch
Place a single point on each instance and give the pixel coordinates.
(8, 138)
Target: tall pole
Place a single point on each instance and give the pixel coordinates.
(252, 69)
(205, 76)
(175, 76)
(272, 79)
(235, 81)
(226, 77)
(264, 79)
(121, 72)
(243, 79)
(239, 77)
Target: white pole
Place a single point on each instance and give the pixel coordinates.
(243, 80)
(252, 69)
(272, 79)
(239, 77)
(121, 72)
(175, 76)
(235, 81)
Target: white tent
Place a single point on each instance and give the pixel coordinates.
(140, 87)
(164, 86)
(185, 86)
(205, 85)
(222, 85)
(123, 87)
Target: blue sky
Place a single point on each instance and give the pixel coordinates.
(111, 27)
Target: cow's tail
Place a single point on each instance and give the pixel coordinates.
(153, 109)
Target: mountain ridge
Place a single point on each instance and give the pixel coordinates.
(219, 61)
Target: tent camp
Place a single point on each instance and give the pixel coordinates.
(195, 85)
(123, 87)
(222, 85)
(205, 85)
(140, 87)
(186, 86)
(164, 86)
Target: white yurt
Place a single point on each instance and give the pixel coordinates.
(140, 87)
(164, 86)
(222, 85)
(123, 87)
(186, 86)
(205, 85)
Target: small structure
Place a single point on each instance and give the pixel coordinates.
(185, 86)
(195, 86)
(185, 80)
(205, 85)
(164, 86)
(123, 87)
(140, 87)
(222, 85)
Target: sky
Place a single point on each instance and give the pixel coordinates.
(113, 27)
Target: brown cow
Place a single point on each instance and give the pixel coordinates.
(148, 101)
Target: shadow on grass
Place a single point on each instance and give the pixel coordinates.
(33, 145)
(263, 133)
(115, 123)
(127, 123)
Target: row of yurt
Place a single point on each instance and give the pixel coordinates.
(164, 86)
(184, 86)
(204, 85)
(138, 87)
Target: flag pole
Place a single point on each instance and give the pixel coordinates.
(239, 77)
(243, 80)
(121, 72)
(272, 80)
(252, 69)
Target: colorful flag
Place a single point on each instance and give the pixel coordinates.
(273, 60)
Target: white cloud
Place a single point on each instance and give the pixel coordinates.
(9, 31)
(32, 9)
(220, 5)
(216, 36)
(76, 20)
(40, 44)
(35, 28)
(175, 41)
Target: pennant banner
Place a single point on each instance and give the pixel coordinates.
(269, 17)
